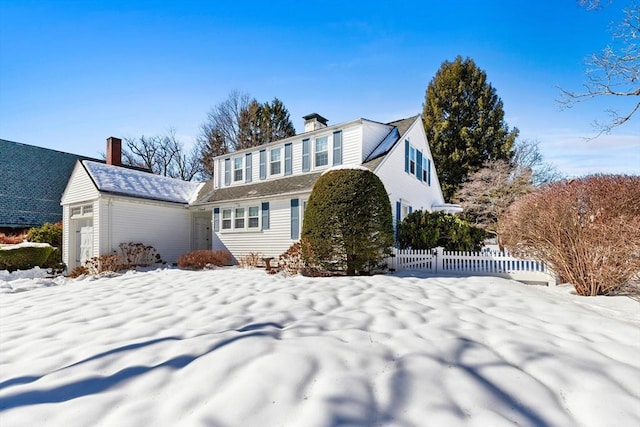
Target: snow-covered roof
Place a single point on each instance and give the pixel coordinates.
(135, 183)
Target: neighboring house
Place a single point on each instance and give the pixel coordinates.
(32, 180)
(256, 200)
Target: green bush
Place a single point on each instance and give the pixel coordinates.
(23, 257)
(347, 223)
(427, 230)
(51, 234)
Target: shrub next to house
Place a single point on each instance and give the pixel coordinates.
(586, 229)
(51, 234)
(427, 230)
(347, 222)
(24, 256)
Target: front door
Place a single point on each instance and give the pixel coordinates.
(202, 231)
(84, 240)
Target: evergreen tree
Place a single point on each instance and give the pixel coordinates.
(241, 122)
(347, 223)
(428, 230)
(464, 121)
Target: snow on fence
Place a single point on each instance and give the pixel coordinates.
(492, 263)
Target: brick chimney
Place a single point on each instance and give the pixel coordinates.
(314, 121)
(114, 151)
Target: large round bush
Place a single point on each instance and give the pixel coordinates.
(347, 223)
(587, 230)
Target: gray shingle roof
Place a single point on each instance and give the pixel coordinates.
(292, 184)
(31, 184)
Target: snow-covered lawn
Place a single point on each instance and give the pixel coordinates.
(235, 347)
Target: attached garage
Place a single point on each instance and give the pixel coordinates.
(106, 205)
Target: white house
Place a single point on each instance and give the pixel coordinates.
(256, 200)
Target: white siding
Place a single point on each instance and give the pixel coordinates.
(372, 134)
(402, 186)
(165, 227)
(80, 187)
(352, 145)
(80, 190)
(267, 243)
(65, 234)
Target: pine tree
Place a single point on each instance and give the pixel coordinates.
(464, 121)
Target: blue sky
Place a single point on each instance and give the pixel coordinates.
(73, 73)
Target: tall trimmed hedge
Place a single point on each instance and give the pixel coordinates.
(347, 222)
(427, 230)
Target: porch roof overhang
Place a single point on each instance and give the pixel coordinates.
(447, 208)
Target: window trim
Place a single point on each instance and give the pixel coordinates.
(337, 148)
(238, 166)
(277, 162)
(306, 155)
(412, 160)
(230, 219)
(85, 211)
(325, 141)
(231, 222)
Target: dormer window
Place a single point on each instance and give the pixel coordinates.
(275, 164)
(237, 169)
(322, 152)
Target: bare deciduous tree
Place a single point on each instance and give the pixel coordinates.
(527, 157)
(241, 122)
(615, 71)
(163, 155)
(490, 190)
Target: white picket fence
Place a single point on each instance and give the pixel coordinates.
(490, 263)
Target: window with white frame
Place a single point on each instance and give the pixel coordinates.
(237, 169)
(322, 152)
(239, 218)
(253, 217)
(276, 163)
(226, 219)
(83, 210)
(412, 160)
(425, 168)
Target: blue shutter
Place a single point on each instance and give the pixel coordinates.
(247, 166)
(306, 159)
(406, 155)
(398, 211)
(265, 215)
(216, 219)
(337, 148)
(410, 209)
(419, 166)
(429, 172)
(295, 219)
(263, 164)
(227, 171)
(288, 159)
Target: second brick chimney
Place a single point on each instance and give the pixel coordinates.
(114, 151)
